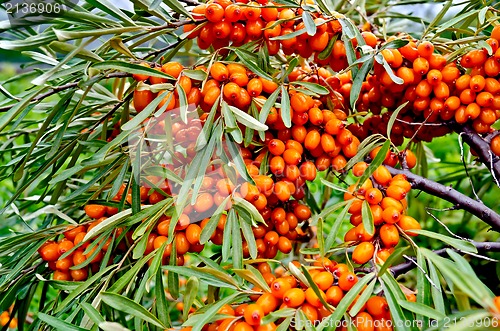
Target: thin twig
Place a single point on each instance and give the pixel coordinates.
(481, 147)
(68, 86)
(407, 266)
(448, 193)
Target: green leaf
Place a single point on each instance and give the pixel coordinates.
(345, 303)
(82, 288)
(253, 276)
(206, 274)
(309, 23)
(248, 120)
(210, 227)
(436, 292)
(247, 59)
(63, 35)
(465, 246)
(183, 102)
(286, 111)
(264, 112)
(131, 68)
(131, 307)
(394, 44)
(363, 298)
(367, 216)
(396, 255)
(421, 309)
(66, 48)
(393, 294)
(199, 75)
(58, 323)
(358, 81)
(190, 294)
(205, 316)
(381, 60)
(92, 313)
(376, 162)
(332, 234)
(393, 118)
(316, 88)
(179, 8)
(325, 54)
(275, 315)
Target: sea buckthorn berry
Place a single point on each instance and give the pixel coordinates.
(253, 11)
(425, 49)
(364, 322)
(347, 280)
(62, 275)
(396, 192)
(285, 245)
(409, 223)
(382, 175)
(50, 252)
(254, 87)
(294, 297)
(421, 66)
(219, 71)
(389, 235)
(363, 253)
(95, 211)
(313, 299)
(173, 69)
(299, 102)
(233, 13)
(373, 196)
(231, 91)
(324, 280)
(495, 145)
(276, 147)
(279, 287)
(214, 12)
(267, 302)
(333, 295)
(377, 307)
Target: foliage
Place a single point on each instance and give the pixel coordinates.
(73, 128)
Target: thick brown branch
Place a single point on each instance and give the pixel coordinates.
(447, 193)
(481, 147)
(407, 266)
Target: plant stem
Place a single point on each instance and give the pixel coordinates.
(448, 193)
(407, 266)
(481, 147)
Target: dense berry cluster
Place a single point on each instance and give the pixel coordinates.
(237, 24)
(333, 281)
(386, 198)
(71, 257)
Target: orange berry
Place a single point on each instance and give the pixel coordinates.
(363, 253)
(347, 281)
(294, 297)
(253, 314)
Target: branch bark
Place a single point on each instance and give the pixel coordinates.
(481, 147)
(407, 266)
(461, 201)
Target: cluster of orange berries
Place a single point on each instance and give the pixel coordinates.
(466, 91)
(7, 319)
(333, 281)
(240, 23)
(386, 198)
(68, 256)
